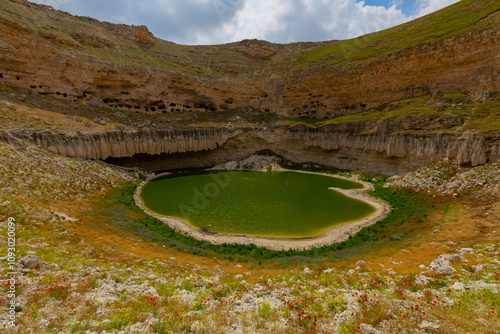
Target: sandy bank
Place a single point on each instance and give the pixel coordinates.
(336, 234)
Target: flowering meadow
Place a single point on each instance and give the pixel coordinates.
(89, 263)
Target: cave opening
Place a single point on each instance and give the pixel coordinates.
(1, 76)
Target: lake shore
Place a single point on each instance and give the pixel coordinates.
(337, 234)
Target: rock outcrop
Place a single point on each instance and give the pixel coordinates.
(343, 146)
(127, 67)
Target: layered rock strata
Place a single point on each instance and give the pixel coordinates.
(169, 148)
(128, 68)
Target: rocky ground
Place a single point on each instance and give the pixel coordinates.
(81, 273)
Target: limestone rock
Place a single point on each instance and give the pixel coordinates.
(368, 329)
(30, 261)
(441, 266)
(361, 264)
(427, 325)
(247, 80)
(247, 299)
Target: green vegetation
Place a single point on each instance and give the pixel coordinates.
(408, 209)
(446, 23)
(477, 117)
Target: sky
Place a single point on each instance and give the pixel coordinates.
(197, 22)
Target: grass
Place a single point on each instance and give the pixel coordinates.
(408, 208)
(451, 21)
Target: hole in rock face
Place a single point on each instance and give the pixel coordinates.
(32, 87)
(362, 105)
(146, 108)
(1, 76)
(18, 78)
(137, 107)
(58, 93)
(153, 109)
(65, 95)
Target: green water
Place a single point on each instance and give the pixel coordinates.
(273, 204)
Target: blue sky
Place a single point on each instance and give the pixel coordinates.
(279, 21)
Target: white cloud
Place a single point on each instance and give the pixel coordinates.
(285, 21)
(224, 21)
(428, 6)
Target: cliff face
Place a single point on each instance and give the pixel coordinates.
(126, 67)
(339, 146)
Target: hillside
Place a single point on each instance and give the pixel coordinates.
(454, 50)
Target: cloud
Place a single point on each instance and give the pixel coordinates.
(428, 6)
(224, 21)
(285, 21)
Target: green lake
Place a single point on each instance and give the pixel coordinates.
(269, 204)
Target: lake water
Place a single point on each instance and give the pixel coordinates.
(270, 204)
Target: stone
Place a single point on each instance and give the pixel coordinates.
(247, 299)
(65, 217)
(306, 271)
(21, 98)
(361, 263)
(455, 258)
(45, 265)
(427, 325)
(30, 261)
(441, 267)
(458, 286)
(422, 280)
(367, 329)
(462, 251)
(239, 276)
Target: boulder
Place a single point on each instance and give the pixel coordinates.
(441, 266)
(427, 325)
(422, 280)
(247, 299)
(361, 263)
(30, 261)
(458, 286)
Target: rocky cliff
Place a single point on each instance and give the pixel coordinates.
(346, 146)
(82, 59)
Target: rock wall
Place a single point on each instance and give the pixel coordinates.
(107, 65)
(160, 149)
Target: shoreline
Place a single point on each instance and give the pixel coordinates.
(334, 235)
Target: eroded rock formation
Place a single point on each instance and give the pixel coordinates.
(127, 67)
(345, 146)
